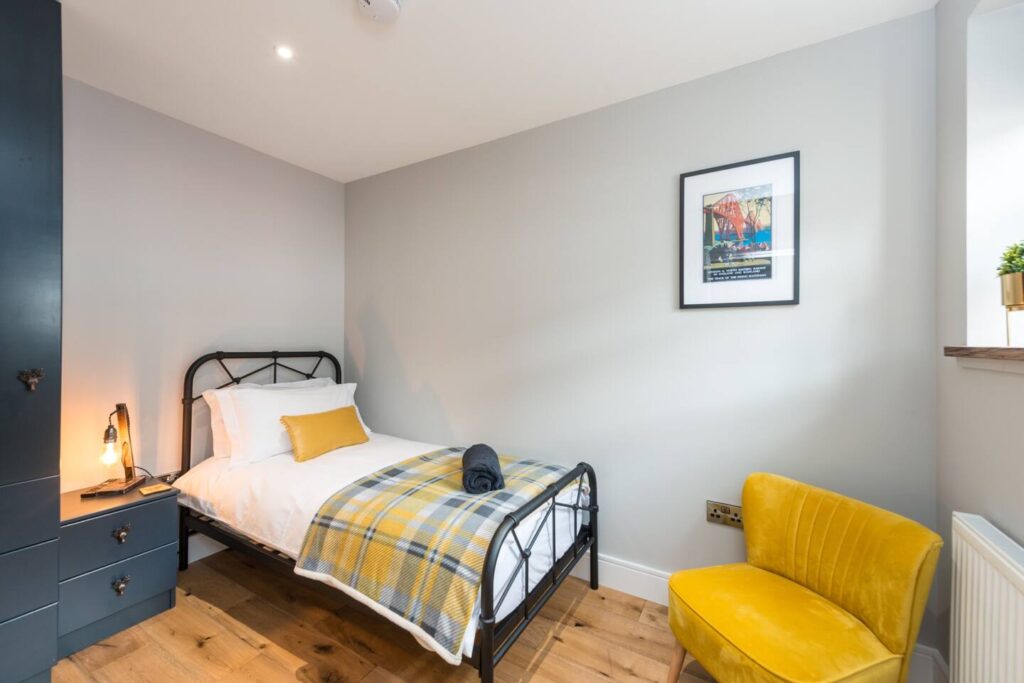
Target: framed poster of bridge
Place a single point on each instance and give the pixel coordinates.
(739, 234)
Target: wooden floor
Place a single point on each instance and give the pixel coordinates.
(236, 621)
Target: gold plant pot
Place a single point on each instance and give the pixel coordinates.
(1013, 290)
(1013, 301)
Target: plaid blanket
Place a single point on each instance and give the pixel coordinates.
(410, 539)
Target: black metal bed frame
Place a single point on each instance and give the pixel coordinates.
(493, 638)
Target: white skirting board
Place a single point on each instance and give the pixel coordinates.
(927, 665)
(628, 577)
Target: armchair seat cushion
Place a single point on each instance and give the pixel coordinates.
(747, 625)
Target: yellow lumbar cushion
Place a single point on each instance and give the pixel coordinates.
(318, 433)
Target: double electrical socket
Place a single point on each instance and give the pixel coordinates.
(724, 513)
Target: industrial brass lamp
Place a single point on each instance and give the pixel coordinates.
(117, 487)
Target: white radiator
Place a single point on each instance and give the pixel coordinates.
(988, 603)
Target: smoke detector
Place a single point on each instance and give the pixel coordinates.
(383, 11)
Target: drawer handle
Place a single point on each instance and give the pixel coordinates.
(121, 585)
(121, 534)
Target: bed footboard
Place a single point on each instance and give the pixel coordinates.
(494, 639)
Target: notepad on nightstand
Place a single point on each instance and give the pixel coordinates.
(153, 488)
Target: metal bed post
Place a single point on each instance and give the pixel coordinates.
(592, 479)
(182, 539)
(490, 651)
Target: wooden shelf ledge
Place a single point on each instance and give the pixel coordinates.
(990, 352)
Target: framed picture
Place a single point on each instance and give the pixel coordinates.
(739, 234)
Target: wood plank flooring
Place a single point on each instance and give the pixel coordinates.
(236, 621)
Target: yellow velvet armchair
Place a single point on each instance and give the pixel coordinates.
(833, 590)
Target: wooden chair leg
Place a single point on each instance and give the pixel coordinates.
(678, 657)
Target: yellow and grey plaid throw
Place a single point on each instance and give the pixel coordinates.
(411, 539)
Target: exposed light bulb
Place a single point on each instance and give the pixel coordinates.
(284, 52)
(109, 456)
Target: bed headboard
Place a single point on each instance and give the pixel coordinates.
(271, 369)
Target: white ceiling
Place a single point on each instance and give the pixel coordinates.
(361, 98)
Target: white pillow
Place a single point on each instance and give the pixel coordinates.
(253, 423)
(221, 442)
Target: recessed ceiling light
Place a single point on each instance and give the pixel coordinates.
(284, 52)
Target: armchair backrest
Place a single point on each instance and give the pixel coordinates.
(873, 563)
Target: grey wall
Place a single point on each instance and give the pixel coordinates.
(524, 293)
(980, 468)
(178, 242)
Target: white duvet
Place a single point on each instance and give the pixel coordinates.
(273, 502)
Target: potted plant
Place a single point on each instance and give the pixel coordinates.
(1011, 272)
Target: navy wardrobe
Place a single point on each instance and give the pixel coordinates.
(30, 318)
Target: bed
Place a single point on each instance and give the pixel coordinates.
(264, 509)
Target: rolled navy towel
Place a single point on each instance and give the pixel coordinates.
(481, 471)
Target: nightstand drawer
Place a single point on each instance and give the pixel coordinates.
(29, 579)
(103, 540)
(28, 644)
(93, 596)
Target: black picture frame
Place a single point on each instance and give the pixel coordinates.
(795, 299)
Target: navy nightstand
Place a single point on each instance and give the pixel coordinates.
(118, 564)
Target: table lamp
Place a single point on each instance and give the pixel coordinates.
(110, 456)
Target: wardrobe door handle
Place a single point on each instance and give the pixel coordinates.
(31, 378)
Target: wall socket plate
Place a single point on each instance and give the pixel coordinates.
(724, 513)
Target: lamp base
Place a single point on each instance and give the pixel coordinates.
(113, 487)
